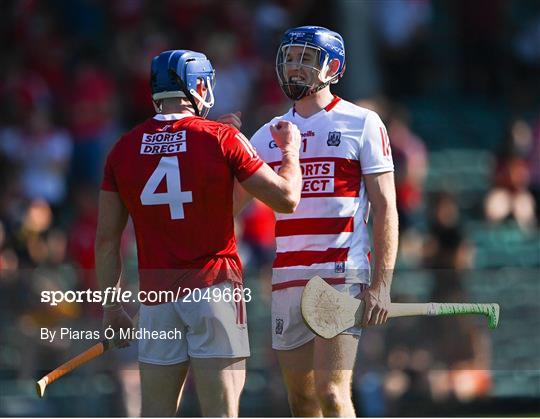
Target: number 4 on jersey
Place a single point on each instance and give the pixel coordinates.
(169, 169)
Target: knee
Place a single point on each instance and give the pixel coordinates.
(302, 401)
(301, 397)
(331, 397)
(224, 403)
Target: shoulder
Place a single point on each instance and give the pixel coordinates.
(128, 139)
(359, 114)
(367, 124)
(212, 129)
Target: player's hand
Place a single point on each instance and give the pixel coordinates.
(232, 119)
(117, 318)
(286, 135)
(377, 303)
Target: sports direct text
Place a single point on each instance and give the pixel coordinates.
(113, 295)
(317, 177)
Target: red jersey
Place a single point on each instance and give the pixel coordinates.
(175, 175)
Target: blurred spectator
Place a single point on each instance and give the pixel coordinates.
(525, 42)
(83, 230)
(271, 19)
(43, 151)
(81, 242)
(534, 165)
(403, 31)
(258, 224)
(91, 109)
(446, 247)
(25, 89)
(135, 50)
(459, 371)
(510, 195)
(481, 30)
(10, 198)
(32, 232)
(410, 158)
(271, 99)
(411, 165)
(8, 258)
(234, 75)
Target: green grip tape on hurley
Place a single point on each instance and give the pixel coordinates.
(489, 310)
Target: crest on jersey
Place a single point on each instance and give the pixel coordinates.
(334, 138)
(340, 267)
(279, 326)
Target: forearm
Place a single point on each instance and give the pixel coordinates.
(385, 239)
(291, 174)
(282, 191)
(108, 263)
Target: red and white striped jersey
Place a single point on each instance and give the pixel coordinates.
(327, 235)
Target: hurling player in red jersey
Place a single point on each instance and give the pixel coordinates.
(174, 175)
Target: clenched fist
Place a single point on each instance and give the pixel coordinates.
(377, 303)
(287, 136)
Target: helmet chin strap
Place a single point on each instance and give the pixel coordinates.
(158, 105)
(206, 104)
(322, 85)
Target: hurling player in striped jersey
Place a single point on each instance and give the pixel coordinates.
(347, 169)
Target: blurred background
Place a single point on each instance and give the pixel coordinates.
(457, 84)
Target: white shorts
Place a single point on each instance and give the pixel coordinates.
(288, 328)
(209, 329)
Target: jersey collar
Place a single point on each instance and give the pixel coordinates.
(327, 108)
(171, 116)
(332, 104)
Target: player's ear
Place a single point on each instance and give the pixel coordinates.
(202, 91)
(332, 69)
(201, 88)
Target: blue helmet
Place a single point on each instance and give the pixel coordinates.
(318, 46)
(176, 73)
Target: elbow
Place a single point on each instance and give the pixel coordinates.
(288, 208)
(388, 214)
(384, 207)
(289, 204)
(293, 203)
(291, 195)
